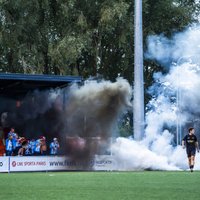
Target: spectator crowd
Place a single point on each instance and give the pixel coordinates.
(20, 146)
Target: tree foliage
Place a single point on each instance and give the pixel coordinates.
(86, 38)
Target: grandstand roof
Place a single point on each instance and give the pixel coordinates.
(19, 84)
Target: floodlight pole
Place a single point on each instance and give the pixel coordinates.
(138, 93)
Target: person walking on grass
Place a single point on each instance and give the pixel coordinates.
(190, 142)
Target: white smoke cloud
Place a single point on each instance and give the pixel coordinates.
(132, 155)
(182, 46)
(175, 101)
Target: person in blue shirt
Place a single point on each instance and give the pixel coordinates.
(28, 149)
(12, 132)
(32, 146)
(9, 146)
(54, 146)
(16, 144)
(37, 147)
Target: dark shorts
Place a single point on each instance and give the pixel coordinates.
(191, 152)
(15, 151)
(37, 153)
(8, 153)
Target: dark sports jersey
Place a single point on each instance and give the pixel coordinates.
(190, 141)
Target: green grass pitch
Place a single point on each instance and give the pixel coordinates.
(147, 185)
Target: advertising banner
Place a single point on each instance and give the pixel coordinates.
(28, 163)
(4, 164)
(59, 163)
(104, 163)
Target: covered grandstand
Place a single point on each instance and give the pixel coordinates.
(33, 104)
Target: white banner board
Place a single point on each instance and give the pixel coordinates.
(54, 163)
(28, 163)
(104, 163)
(4, 164)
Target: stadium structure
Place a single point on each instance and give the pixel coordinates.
(25, 103)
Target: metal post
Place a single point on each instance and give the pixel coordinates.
(179, 126)
(138, 107)
(177, 120)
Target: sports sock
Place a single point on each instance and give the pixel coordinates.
(191, 168)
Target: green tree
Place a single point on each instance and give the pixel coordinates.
(86, 37)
